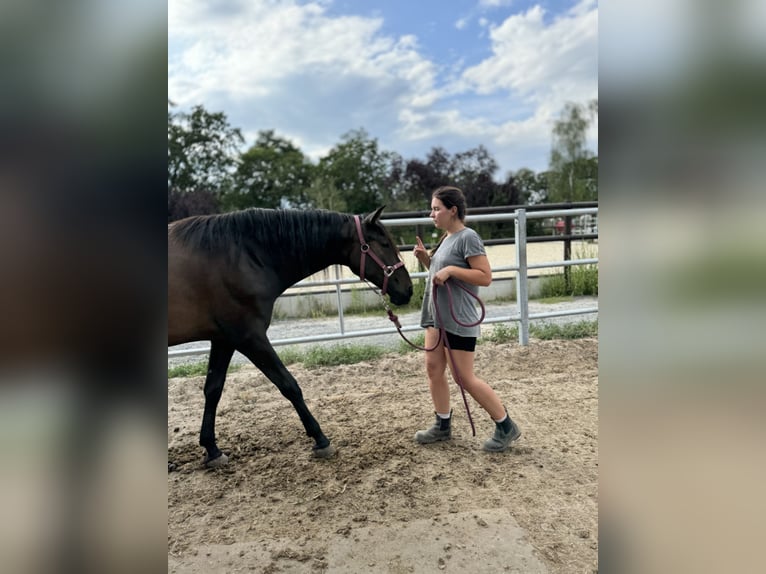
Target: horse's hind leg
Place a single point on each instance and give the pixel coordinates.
(263, 355)
(220, 357)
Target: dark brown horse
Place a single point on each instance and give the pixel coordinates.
(226, 271)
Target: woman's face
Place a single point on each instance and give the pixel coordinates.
(441, 216)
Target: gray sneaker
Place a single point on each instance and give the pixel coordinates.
(441, 430)
(501, 440)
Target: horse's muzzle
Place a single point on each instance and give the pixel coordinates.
(399, 299)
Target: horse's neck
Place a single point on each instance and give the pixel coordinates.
(312, 258)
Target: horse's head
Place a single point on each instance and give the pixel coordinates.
(376, 258)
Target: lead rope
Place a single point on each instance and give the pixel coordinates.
(442, 333)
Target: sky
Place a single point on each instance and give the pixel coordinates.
(414, 74)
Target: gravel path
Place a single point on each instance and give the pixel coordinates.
(291, 328)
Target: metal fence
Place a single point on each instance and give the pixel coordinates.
(522, 316)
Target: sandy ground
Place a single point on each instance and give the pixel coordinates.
(384, 503)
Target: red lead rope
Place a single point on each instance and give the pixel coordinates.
(443, 336)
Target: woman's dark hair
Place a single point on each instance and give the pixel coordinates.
(451, 197)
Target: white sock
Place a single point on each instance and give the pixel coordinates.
(444, 416)
(502, 419)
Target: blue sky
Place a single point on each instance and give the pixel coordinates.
(415, 74)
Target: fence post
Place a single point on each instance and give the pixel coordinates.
(522, 292)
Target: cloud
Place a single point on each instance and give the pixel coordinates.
(313, 76)
(249, 48)
(536, 66)
(539, 60)
(291, 65)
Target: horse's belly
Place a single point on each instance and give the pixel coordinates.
(189, 318)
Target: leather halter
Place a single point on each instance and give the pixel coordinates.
(388, 270)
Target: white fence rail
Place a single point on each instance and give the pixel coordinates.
(522, 316)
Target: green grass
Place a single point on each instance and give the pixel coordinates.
(500, 333)
(577, 330)
(583, 280)
(418, 339)
(557, 299)
(194, 370)
(331, 356)
(319, 356)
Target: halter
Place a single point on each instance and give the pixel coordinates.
(388, 270)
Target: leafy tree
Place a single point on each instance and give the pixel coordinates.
(471, 170)
(532, 187)
(202, 150)
(571, 175)
(272, 173)
(360, 171)
(195, 202)
(422, 177)
(322, 193)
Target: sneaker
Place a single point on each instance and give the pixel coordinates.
(501, 440)
(441, 430)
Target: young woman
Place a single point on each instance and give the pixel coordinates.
(460, 258)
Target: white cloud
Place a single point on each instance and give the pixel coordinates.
(540, 60)
(249, 48)
(311, 76)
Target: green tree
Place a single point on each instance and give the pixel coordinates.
(360, 172)
(272, 173)
(421, 178)
(472, 171)
(573, 174)
(202, 150)
(323, 194)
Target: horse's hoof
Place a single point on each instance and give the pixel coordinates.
(217, 462)
(325, 452)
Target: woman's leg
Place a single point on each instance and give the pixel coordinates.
(436, 371)
(478, 389)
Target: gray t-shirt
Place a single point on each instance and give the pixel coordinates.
(454, 250)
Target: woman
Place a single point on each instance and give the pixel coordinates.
(460, 258)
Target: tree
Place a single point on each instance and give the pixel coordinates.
(195, 202)
(272, 173)
(359, 171)
(532, 187)
(323, 194)
(202, 150)
(571, 175)
(421, 178)
(471, 170)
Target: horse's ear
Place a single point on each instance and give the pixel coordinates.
(374, 216)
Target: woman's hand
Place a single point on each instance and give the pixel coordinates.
(441, 276)
(420, 253)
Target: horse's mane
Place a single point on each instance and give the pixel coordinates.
(285, 231)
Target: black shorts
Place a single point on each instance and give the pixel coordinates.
(458, 343)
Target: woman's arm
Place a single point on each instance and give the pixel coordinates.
(479, 273)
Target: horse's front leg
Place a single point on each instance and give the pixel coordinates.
(263, 355)
(218, 364)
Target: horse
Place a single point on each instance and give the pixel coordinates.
(225, 272)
